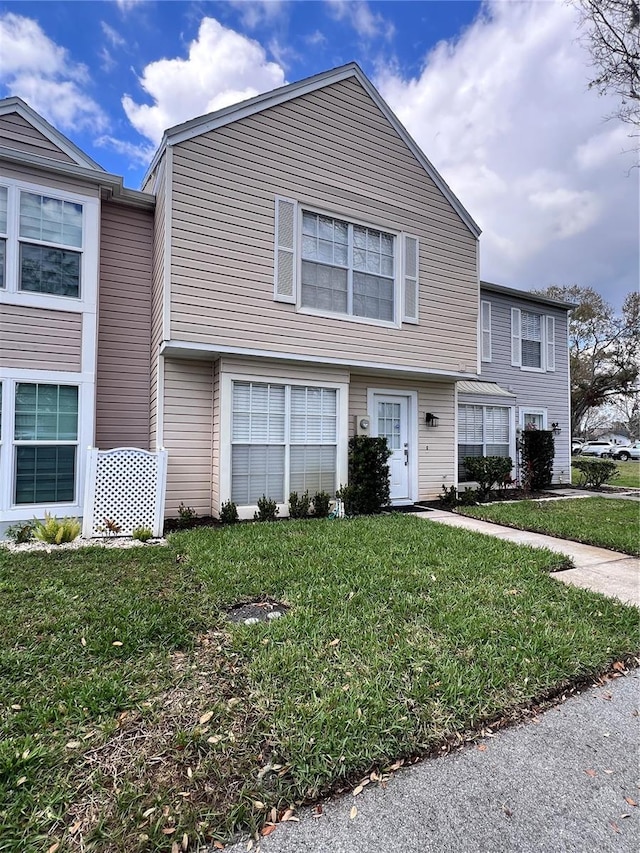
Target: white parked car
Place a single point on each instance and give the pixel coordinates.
(628, 451)
(602, 449)
(576, 446)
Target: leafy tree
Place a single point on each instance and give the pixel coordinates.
(612, 35)
(603, 350)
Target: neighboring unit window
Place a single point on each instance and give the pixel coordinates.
(46, 226)
(533, 420)
(283, 439)
(347, 269)
(482, 431)
(45, 435)
(531, 331)
(3, 236)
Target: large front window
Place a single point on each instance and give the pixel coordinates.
(284, 439)
(482, 431)
(45, 438)
(347, 269)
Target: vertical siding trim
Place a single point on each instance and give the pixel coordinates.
(168, 224)
(550, 336)
(160, 404)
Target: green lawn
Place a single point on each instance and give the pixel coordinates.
(606, 522)
(629, 475)
(132, 712)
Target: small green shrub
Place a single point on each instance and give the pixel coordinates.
(321, 504)
(449, 497)
(55, 531)
(487, 471)
(594, 473)
(538, 450)
(228, 512)
(21, 532)
(267, 510)
(468, 497)
(368, 489)
(186, 516)
(299, 506)
(142, 534)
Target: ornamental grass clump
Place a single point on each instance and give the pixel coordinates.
(55, 531)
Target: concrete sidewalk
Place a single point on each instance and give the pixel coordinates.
(598, 569)
(555, 784)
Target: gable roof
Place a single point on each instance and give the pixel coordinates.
(17, 105)
(227, 115)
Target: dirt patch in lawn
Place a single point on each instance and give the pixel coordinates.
(258, 610)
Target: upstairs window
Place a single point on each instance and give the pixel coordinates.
(3, 236)
(50, 231)
(533, 340)
(347, 269)
(328, 265)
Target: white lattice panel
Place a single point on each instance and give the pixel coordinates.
(126, 486)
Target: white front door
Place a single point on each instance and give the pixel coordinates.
(391, 421)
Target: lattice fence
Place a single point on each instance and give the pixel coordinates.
(126, 486)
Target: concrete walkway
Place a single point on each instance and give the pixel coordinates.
(568, 781)
(608, 572)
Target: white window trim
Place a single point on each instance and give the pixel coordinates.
(412, 429)
(467, 484)
(11, 294)
(543, 342)
(532, 410)
(302, 207)
(226, 410)
(9, 510)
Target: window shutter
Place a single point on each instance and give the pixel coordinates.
(485, 329)
(411, 259)
(284, 284)
(551, 343)
(516, 338)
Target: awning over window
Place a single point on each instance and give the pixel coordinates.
(484, 389)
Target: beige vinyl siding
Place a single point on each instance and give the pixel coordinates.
(48, 180)
(188, 418)
(287, 371)
(40, 339)
(124, 329)
(157, 298)
(16, 132)
(222, 236)
(436, 445)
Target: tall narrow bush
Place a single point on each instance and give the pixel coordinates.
(368, 475)
(538, 451)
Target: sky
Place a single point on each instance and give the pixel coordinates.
(495, 93)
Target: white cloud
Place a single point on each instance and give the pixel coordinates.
(140, 155)
(253, 13)
(367, 24)
(222, 68)
(315, 38)
(41, 72)
(505, 115)
(112, 35)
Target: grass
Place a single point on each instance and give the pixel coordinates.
(606, 522)
(628, 475)
(133, 712)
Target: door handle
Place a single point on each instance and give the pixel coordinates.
(406, 453)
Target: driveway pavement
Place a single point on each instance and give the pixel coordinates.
(556, 784)
(598, 569)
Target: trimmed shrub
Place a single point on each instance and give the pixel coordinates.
(299, 506)
(488, 471)
(321, 504)
(142, 534)
(368, 489)
(186, 516)
(538, 450)
(267, 510)
(228, 512)
(594, 473)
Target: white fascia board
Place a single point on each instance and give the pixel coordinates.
(17, 105)
(121, 194)
(228, 115)
(191, 349)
